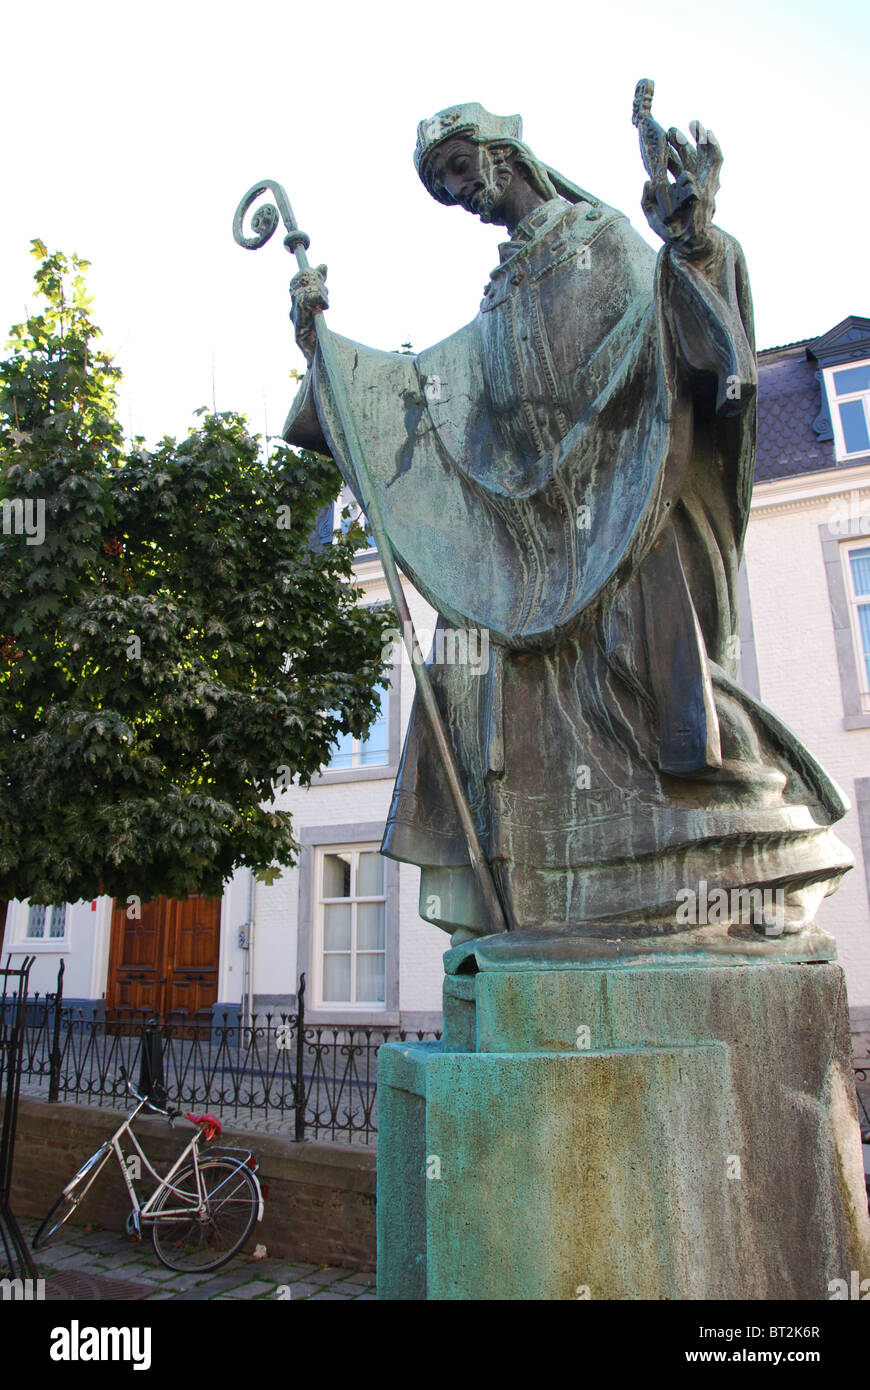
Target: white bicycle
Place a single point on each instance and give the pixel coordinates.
(200, 1215)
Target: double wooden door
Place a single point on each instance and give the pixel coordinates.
(165, 961)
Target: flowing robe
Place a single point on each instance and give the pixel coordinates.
(570, 473)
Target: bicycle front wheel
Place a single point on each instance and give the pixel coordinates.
(190, 1237)
(71, 1197)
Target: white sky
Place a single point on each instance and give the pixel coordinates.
(131, 133)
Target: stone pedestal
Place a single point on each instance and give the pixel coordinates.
(648, 1132)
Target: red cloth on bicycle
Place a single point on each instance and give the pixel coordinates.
(211, 1123)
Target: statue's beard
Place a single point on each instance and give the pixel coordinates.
(496, 182)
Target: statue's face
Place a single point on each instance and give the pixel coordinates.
(472, 178)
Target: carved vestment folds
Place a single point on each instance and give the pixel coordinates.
(571, 473)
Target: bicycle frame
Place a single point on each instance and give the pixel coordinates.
(144, 1213)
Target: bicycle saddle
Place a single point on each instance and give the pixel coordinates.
(210, 1123)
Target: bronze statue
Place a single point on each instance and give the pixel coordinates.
(570, 474)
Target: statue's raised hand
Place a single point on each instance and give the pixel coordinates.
(679, 197)
(309, 297)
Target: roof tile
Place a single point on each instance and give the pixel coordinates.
(789, 399)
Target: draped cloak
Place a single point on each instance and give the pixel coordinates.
(570, 474)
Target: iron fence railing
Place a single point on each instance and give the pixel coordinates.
(14, 1254)
(321, 1078)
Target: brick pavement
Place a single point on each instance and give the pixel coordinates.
(91, 1263)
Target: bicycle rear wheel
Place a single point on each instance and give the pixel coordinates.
(188, 1239)
(71, 1197)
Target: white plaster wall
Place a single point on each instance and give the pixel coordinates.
(82, 951)
(275, 920)
(232, 960)
(422, 946)
(799, 678)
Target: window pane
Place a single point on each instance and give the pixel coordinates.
(343, 751)
(336, 979)
(336, 928)
(370, 979)
(854, 423)
(369, 875)
(36, 922)
(336, 875)
(374, 749)
(57, 924)
(852, 379)
(860, 563)
(370, 927)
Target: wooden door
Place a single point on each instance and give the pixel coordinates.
(136, 978)
(166, 961)
(193, 941)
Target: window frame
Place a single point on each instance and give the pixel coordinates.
(352, 835)
(855, 602)
(18, 916)
(356, 744)
(320, 952)
(848, 667)
(841, 453)
(375, 771)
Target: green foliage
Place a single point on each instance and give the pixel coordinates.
(174, 646)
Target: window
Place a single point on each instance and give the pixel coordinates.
(46, 923)
(368, 752)
(857, 559)
(849, 397)
(373, 885)
(347, 500)
(352, 912)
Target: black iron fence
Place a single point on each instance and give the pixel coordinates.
(320, 1079)
(14, 1254)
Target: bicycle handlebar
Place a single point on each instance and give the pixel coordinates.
(170, 1114)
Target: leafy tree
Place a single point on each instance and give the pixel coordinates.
(173, 648)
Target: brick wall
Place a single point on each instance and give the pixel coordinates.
(320, 1206)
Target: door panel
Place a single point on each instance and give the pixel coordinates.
(136, 960)
(194, 944)
(166, 963)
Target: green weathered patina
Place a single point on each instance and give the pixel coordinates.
(569, 475)
(615, 1134)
